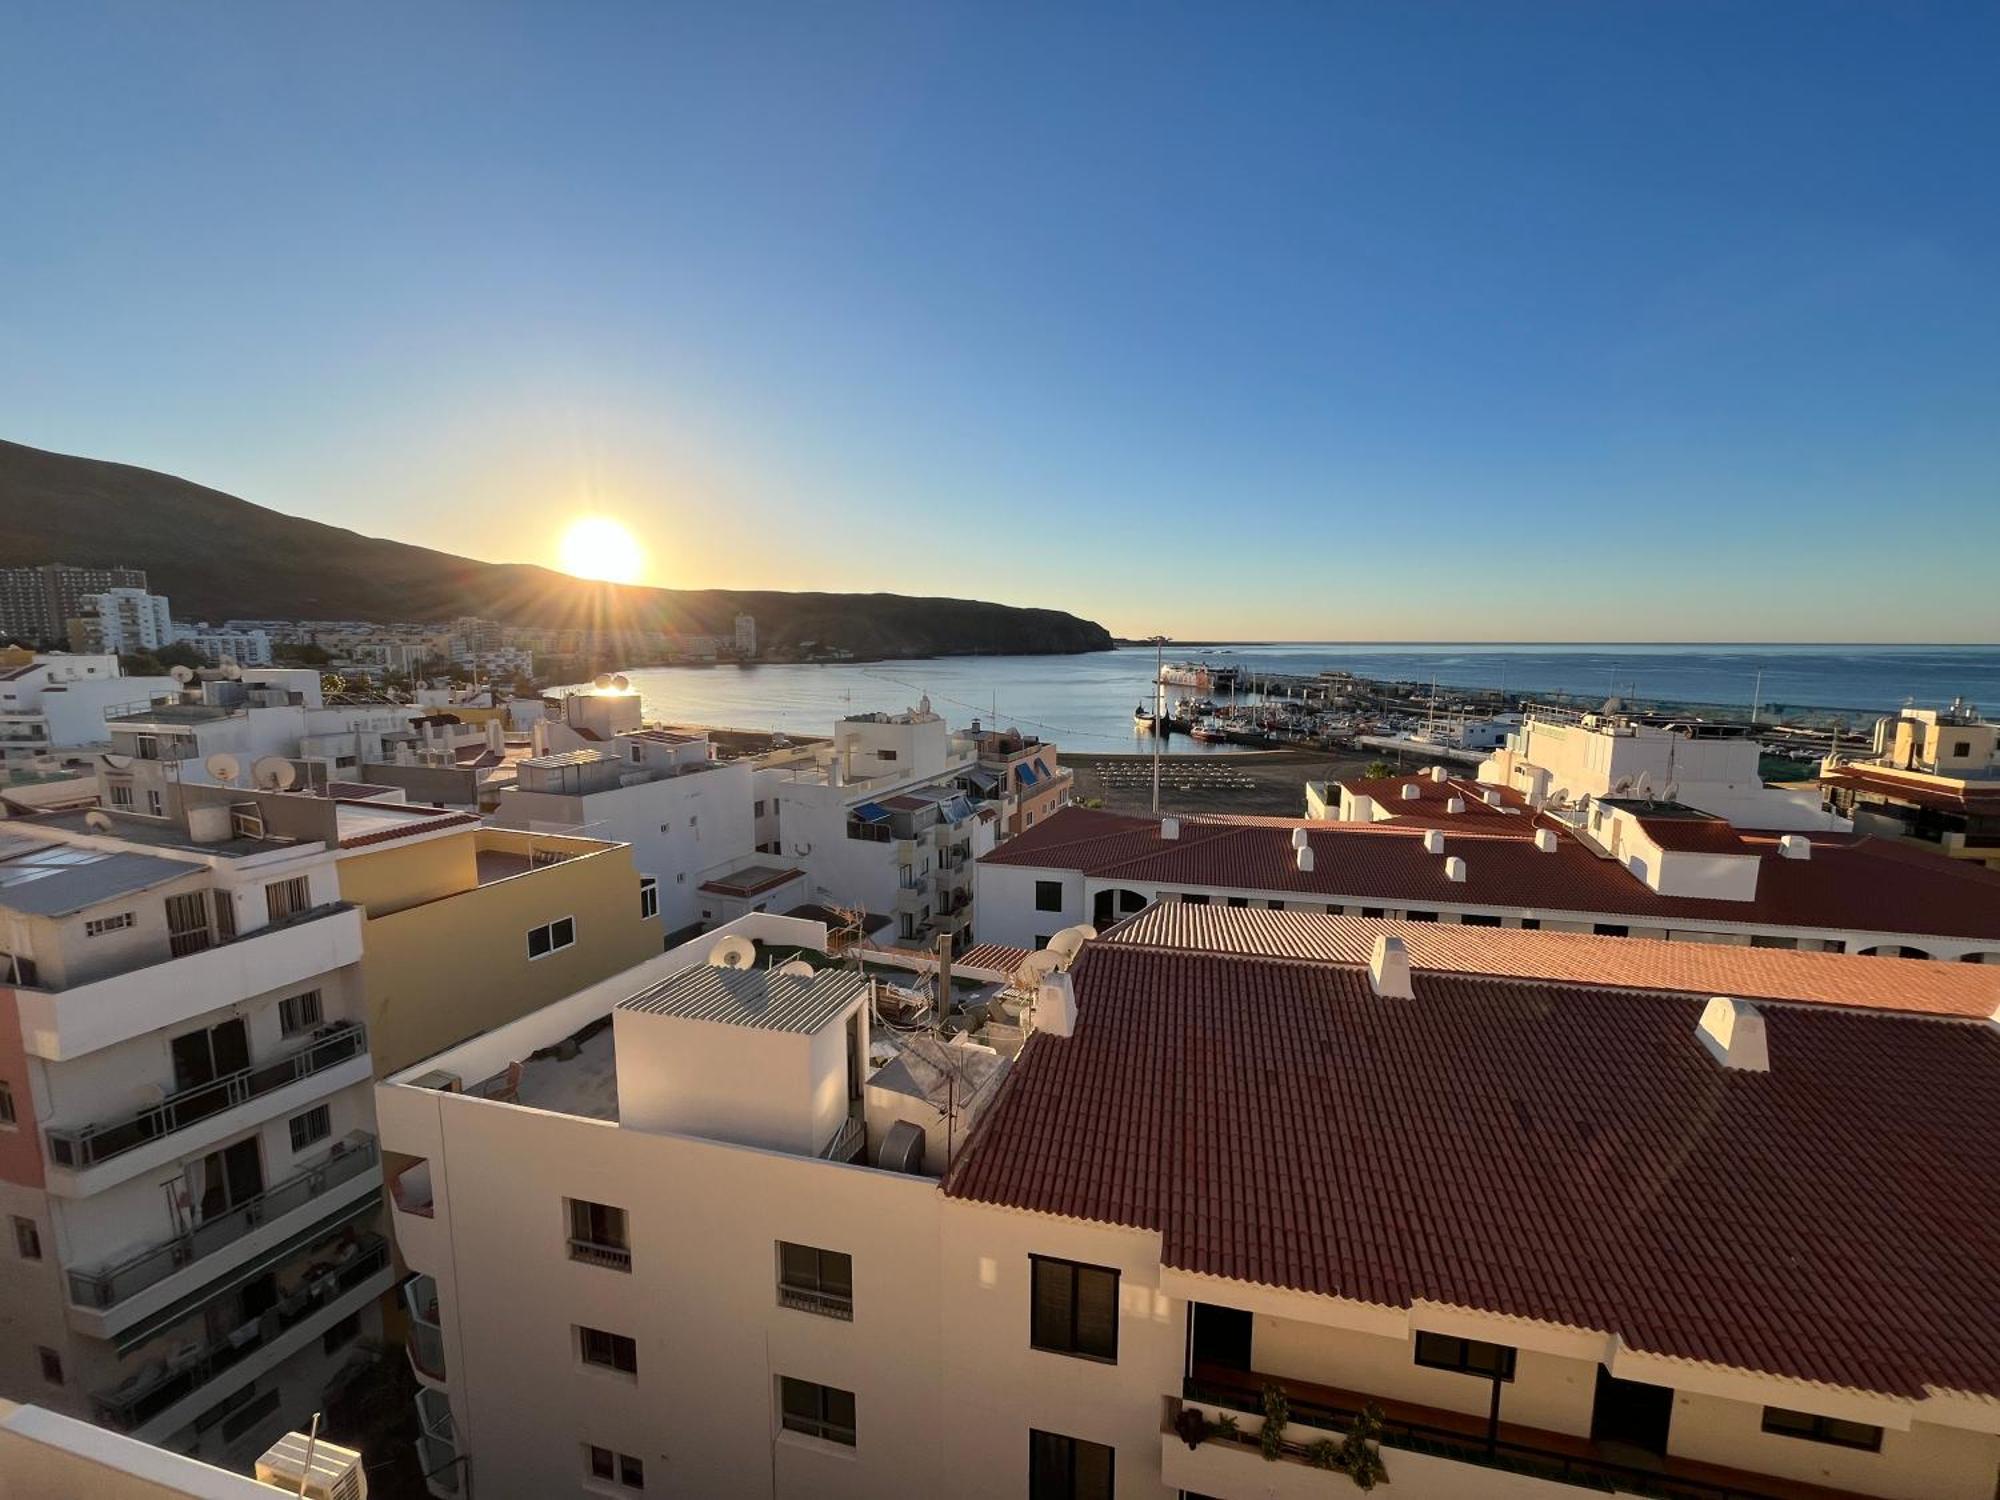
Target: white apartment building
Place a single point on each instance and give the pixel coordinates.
(1619, 867)
(679, 1235)
(126, 621)
(247, 648)
(54, 705)
(187, 1164)
(746, 635)
(45, 1455)
(1560, 755)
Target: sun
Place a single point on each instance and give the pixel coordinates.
(599, 547)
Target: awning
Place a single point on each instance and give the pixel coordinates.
(1026, 772)
(982, 778)
(872, 812)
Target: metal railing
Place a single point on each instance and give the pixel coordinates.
(112, 1285)
(613, 1257)
(812, 1300)
(141, 1399)
(847, 1141)
(1500, 1453)
(88, 1145)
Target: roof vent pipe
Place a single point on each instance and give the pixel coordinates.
(1438, 774)
(1454, 869)
(1305, 858)
(1433, 841)
(1491, 799)
(1411, 791)
(1389, 969)
(1795, 846)
(1733, 1033)
(1170, 828)
(1055, 1005)
(1299, 838)
(1454, 805)
(1545, 840)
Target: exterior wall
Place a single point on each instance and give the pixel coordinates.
(409, 873)
(1924, 1462)
(1004, 904)
(31, 1310)
(21, 1142)
(45, 1455)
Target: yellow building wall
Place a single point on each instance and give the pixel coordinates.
(405, 875)
(448, 969)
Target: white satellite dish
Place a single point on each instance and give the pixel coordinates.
(1643, 787)
(796, 968)
(733, 953)
(1036, 967)
(1066, 944)
(232, 671)
(602, 682)
(98, 822)
(274, 773)
(182, 675)
(622, 683)
(116, 762)
(224, 768)
(1672, 792)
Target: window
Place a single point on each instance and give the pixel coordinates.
(649, 897)
(1075, 1309)
(885, 755)
(1531, 924)
(1067, 1468)
(1610, 929)
(614, 1351)
(27, 1239)
(98, 926)
(316, 1124)
(1420, 916)
(121, 793)
(756, 809)
(820, 1411)
(7, 1115)
(1239, 900)
(1840, 1433)
(1275, 905)
(154, 806)
(1373, 911)
(16, 970)
(614, 1468)
(301, 1012)
(1193, 898)
(1048, 895)
(287, 898)
(551, 936)
(816, 1281)
(599, 1235)
(52, 1370)
(1441, 1351)
(1475, 919)
(1961, 748)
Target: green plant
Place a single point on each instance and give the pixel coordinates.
(1324, 1454)
(1226, 1426)
(1277, 1415)
(1378, 769)
(1360, 1459)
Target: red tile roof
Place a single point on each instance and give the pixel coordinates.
(1428, 807)
(1920, 791)
(1563, 1153)
(1685, 835)
(1865, 885)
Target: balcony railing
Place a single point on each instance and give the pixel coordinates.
(812, 1300)
(613, 1257)
(152, 1391)
(107, 1288)
(91, 1144)
(847, 1141)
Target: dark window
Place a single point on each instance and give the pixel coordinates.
(612, 1350)
(1474, 919)
(1960, 747)
(620, 1468)
(1372, 911)
(1275, 905)
(1531, 924)
(599, 1235)
(1067, 1468)
(1420, 916)
(1075, 1308)
(1441, 1351)
(344, 1332)
(316, 1124)
(820, 1411)
(1610, 929)
(545, 940)
(1194, 898)
(52, 1370)
(649, 897)
(300, 1013)
(27, 1239)
(1239, 900)
(1048, 895)
(1042, 940)
(1843, 1434)
(7, 1116)
(814, 1280)
(287, 898)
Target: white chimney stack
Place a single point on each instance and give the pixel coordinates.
(1433, 841)
(1733, 1033)
(1411, 791)
(1454, 805)
(1454, 869)
(1795, 846)
(1305, 858)
(1389, 969)
(1545, 840)
(1170, 828)
(1438, 774)
(1491, 799)
(1055, 1005)
(1299, 839)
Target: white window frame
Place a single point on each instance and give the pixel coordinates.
(288, 1025)
(649, 897)
(117, 922)
(320, 1115)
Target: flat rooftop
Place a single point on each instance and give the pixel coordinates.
(154, 834)
(752, 880)
(44, 879)
(762, 999)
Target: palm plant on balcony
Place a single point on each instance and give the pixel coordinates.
(1277, 1414)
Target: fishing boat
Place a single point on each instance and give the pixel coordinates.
(1144, 719)
(1211, 731)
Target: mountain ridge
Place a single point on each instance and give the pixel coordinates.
(216, 556)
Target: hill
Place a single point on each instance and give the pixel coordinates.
(218, 557)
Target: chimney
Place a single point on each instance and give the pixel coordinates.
(1545, 840)
(1733, 1033)
(1454, 869)
(1795, 846)
(1433, 841)
(1170, 828)
(1389, 969)
(496, 737)
(1437, 774)
(1411, 791)
(1454, 805)
(1305, 859)
(1491, 799)
(1055, 1005)
(1299, 838)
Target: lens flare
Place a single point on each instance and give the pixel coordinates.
(599, 547)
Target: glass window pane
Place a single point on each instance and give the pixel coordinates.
(1093, 1463)
(1097, 1312)
(798, 1265)
(564, 932)
(1053, 1301)
(799, 1398)
(836, 1273)
(839, 1407)
(600, 1462)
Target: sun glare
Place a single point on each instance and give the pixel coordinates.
(599, 547)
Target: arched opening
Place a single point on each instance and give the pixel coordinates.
(1110, 905)
(1893, 950)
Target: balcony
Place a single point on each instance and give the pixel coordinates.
(611, 1257)
(57, 1025)
(90, 1145)
(437, 1444)
(425, 1345)
(350, 1159)
(1423, 1448)
(150, 1402)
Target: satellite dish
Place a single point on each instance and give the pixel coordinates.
(1036, 967)
(1672, 793)
(274, 773)
(1066, 944)
(116, 762)
(796, 968)
(98, 822)
(182, 675)
(733, 953)
(622, 683)
(1643, 787)
(232, 671)
(602, 682)
(225, 768)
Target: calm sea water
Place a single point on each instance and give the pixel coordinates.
(1086, 702)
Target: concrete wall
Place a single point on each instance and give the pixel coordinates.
(1923, 1462)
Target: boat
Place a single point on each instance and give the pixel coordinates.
(1211, 731)
(1144, 719)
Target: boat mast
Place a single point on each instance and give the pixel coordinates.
(1160, 703)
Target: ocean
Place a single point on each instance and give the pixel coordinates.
(1086, 702)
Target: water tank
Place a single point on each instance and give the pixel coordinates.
(209, 823)
(902, 1149)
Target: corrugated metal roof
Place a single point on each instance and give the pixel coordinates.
(759, 998)
(52, 880)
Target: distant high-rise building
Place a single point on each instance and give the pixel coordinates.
(746, 635)
(122, 621)
(37, 602)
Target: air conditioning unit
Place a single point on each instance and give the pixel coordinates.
(336, 1471)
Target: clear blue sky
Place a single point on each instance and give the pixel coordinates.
(1576, 321)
